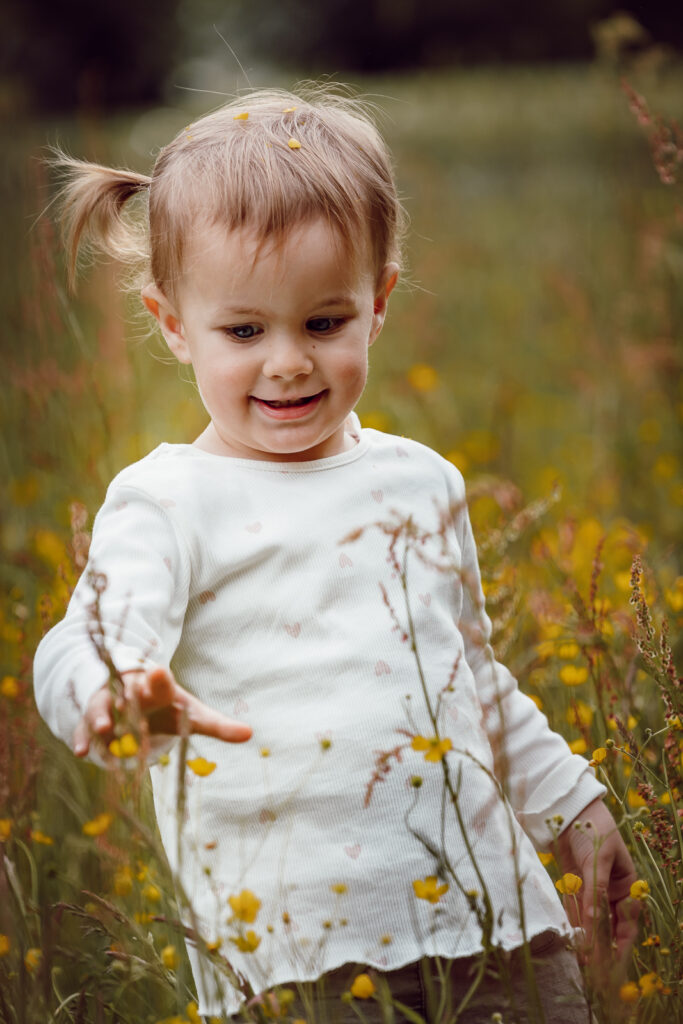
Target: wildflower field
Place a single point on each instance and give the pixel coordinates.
(535, 343)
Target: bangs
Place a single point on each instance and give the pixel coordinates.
(268, 166)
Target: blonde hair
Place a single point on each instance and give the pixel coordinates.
(267, 160)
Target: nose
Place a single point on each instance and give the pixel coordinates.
(287, 357)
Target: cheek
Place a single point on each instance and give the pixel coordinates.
(352, 371)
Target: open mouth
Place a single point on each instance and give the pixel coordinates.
(289, 408)
(289, 402)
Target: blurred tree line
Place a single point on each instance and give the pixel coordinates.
(79, 54)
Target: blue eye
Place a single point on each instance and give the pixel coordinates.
(244, 332)
(324, 324)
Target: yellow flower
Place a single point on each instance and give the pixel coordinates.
(32, 959)
(245, 907)
(640, 890)
(429, 889)
(569, 884)
(377, 420)
(169, 957)
(580, 714)
(363, 987)
(459, 459)
(152, 893)
(635, 800)
(599, 754)
(214, 945)
(545, 858)
(5, 945)
(629, 993)
(650, 983)
(50, 548)
(123, 881)
(665, 466)
(5, 829)
(124, 746)
(339, 888)
(192, 1011)
(244, 116)
(545, 649)
(200, 766)
(98, 825)
(247, 943)
(568, 651)
(386, 940)
(265, 751)
(652, 940)
(293, 144)
(573, 675)
(674, 596)
(436, 748)
(423, 377)
(578, 746)
(9, 687)
(39, 837)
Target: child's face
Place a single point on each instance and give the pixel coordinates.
(278, 338)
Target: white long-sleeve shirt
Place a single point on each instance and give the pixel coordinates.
(251, 580)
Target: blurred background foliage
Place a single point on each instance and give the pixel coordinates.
(75, 54)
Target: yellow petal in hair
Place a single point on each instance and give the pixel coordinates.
(288, 110)
(244, 116)
(294, 144)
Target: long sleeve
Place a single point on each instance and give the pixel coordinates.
(142, 573)
(541, 777)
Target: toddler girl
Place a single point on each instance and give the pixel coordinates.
(320, 581)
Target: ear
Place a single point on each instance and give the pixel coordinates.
(165, 314)
(385, 286)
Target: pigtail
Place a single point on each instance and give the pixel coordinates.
(91, 203)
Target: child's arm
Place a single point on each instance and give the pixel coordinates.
(160, 706)
(592, 848)
(125, 619)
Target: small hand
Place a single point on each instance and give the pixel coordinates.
(155, 699)
(595, 851)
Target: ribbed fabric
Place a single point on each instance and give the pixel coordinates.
(242, 576)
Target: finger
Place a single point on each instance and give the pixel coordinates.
(97, 721)
(150, 689)
(81, 738)
(205, 722)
